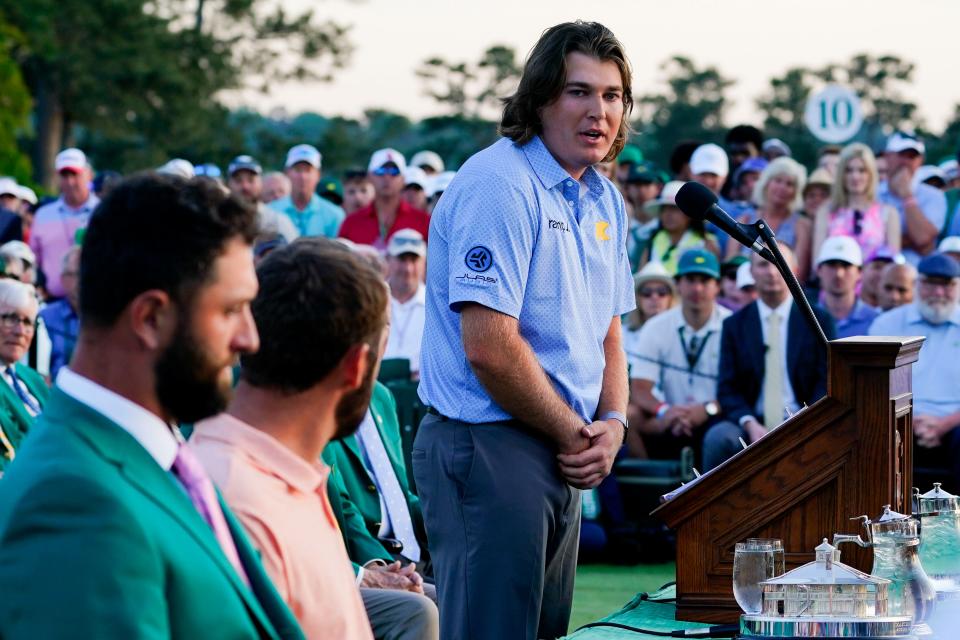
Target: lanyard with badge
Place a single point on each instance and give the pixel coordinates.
(693, 351)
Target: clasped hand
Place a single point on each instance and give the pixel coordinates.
(588, 458)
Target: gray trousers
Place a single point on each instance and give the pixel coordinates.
(400, 615)
(503, 527)
(721, 442)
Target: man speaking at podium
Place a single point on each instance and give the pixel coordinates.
(522, 364)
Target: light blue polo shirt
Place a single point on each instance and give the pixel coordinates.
(515, 233)
(932, 203)
(936, 373)
(320, 218)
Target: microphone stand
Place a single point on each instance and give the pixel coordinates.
(791, 279)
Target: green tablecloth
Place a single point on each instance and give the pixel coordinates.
(655, 612)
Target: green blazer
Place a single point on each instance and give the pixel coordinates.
(98, 541)
(358, 492)
(14, 419)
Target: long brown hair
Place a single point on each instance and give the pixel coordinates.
(545, 73)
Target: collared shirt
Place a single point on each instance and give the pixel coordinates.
(932, 203)
(858, 321)
(406, 328)
(53, 233)
(783, 311)
(63, 327)
(514, 233)
(147, 428)
(281, 500)
(363, 226)
(23, 386)
(320, 217)
(936, 372)
(666, 346)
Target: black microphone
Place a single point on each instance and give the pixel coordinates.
(699, 203)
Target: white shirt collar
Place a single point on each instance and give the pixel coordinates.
(418, 299)
(715, 323)
(153, 434)
(783, 311)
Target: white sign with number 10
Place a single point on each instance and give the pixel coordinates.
(833, 115)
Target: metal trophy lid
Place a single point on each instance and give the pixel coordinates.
(937, 500)
(893, 525)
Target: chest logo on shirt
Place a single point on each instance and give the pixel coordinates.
(478, 259)
(600, 230)
(560, 225)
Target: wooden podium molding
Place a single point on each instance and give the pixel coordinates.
(848, 454)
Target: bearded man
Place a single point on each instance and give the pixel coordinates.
(935, 315)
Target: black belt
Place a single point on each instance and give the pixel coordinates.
(434, 412)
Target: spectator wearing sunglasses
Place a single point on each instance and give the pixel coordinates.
(673, 367)
(854, 209)
(23, 391)
(389, 212)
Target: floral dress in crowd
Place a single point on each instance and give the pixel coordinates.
(868, 228)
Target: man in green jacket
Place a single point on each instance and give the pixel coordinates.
(109, 528)
(370, 464)
(25, 392)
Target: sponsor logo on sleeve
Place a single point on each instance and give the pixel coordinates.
(478, 259)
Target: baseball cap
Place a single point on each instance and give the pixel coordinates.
(28, 194)
(244, 163)
(381, 157)
(842, 248)
(440, 183)
(9, 186)
(178, 167)
(630, 155)
(929, 172)
(744, 276)
(949, 244)
(71, 159)
(776, 144)
(950, 168)
(733, 263)
(407, 241)
(643, 172)
(751, 165)
(429, 159)
(668, 196)
(900, 141)
(709, 158)
(938, 265)
(18, 249)
(883, 253)
(698, 261)
(303, 153)
(653, 271)
(416, 175)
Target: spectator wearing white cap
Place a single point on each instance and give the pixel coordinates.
(244, 178)
(11, 227)
(778, 196)
(55, 225)
(853, 209)
(675, 232)
(415, 185)
(746, 285)
(438, 184)
(709, 165)
(389, 212)
(838, 268)
(922, 208)
(428, 161)
(178, 167)
(20, 261)
(310, 214)
(406, 267)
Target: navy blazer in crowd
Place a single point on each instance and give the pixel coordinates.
(742, 355)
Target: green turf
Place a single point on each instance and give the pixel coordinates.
(602, 589)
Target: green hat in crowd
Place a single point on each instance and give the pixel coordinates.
(630, 154)
(698, 261)
(644, 172)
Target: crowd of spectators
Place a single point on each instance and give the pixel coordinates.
(719, 354)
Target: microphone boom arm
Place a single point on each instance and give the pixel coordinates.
(765, 232)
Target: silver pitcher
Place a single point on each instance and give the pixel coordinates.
(939, 514)
(895, 540)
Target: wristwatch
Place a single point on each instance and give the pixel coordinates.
(619, 417)
(712, 408)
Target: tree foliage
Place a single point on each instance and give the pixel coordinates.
(15, 106)
(468, 89)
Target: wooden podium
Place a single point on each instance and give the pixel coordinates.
(849, 454)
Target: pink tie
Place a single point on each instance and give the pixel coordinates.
(188, 469)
